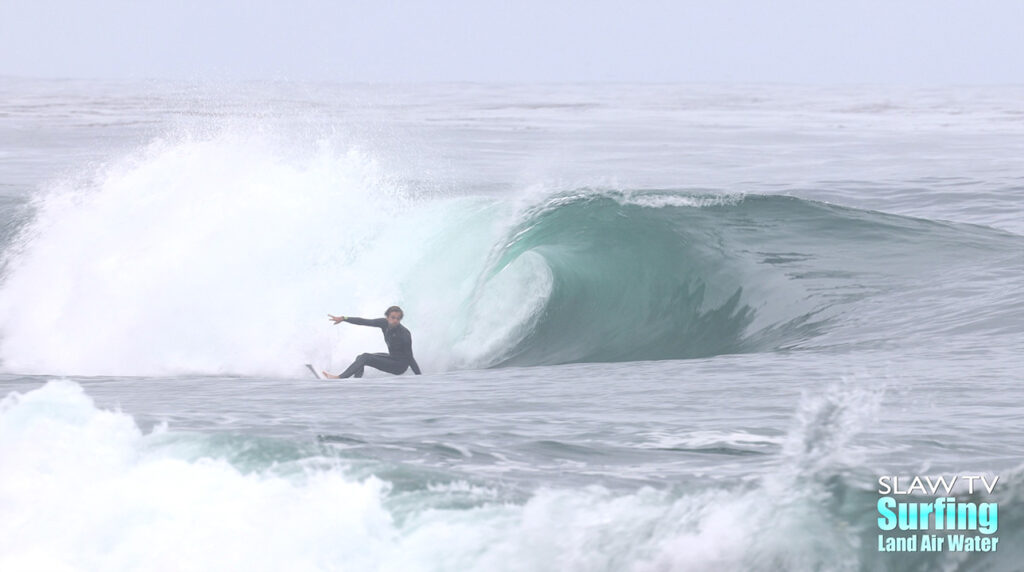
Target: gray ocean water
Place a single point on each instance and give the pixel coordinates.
(678, 327)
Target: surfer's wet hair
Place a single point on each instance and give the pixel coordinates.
(401, 314)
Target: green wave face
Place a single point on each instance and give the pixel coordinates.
(629, 283)
(669, 275)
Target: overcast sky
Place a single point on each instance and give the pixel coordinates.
(824, 41)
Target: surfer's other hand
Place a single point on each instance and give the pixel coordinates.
(336, 319)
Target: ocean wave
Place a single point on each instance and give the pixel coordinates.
(221, 255)
(664, 274)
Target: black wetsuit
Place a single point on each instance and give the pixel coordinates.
(399, 356)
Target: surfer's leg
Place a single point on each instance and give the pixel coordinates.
(384, 362)
(356, 369)
(380, 361)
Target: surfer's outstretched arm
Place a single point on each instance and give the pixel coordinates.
(377, 323)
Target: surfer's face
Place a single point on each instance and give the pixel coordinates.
(394, 318)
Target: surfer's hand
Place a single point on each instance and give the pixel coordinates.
(336, 319)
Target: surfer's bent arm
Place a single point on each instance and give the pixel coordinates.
(377, 323)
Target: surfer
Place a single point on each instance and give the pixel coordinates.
(396, 336)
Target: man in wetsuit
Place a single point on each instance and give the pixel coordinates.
(396, 336)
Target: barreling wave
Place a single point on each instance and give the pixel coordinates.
(221, 255)
(648, 275)
(630, 280)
